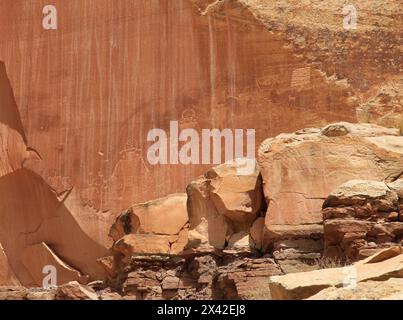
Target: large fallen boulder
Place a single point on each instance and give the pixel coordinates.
(299, 171)
(225, 206)
(362, 217)
(155, 227)
(379, 267)
(165, 216)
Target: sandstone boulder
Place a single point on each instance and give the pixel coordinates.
(381, 266)
(225, 202)
(141, 243)
(166, 216)
(159, 226)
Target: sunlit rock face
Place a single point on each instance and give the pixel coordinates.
(90, 91)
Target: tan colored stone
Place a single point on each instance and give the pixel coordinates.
(7, 276)
(226, 201)
(256, 233)
(392, 289)
(382, 266)
(75, 291)
(166, 216)
(385, 108)
(239, 241)
(204, 217)
(142, 243)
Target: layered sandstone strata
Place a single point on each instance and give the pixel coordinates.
(361, 217)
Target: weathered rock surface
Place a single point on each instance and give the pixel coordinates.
(36, 257)
(32, 213)
(316, 30)
(386, 107)
(77, 155)
(382, 266)
(138, 65)
(299, 171)
(224, 206)
(361, 217)
(158, 226)
(206, 276)
(69, 291)
(7, 275)
(391, 289)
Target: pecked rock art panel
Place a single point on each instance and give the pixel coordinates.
(90, 92)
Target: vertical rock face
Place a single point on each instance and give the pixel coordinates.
(31, 212)
(7, 275)
(386, 107)
(74, 142)
(91, 90)
(366, 56)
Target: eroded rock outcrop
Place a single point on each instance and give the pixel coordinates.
(299, 171)
(361, 217)
(217, 228)
(203, 276)
(69, 291)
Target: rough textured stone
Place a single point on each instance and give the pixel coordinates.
(299, 171)
(379, 267)
(31, 212)
(88, 114)
(163, 223)
(75, 291)
(360, 218)
(391, 289)
(386, 107)
(225, 202)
